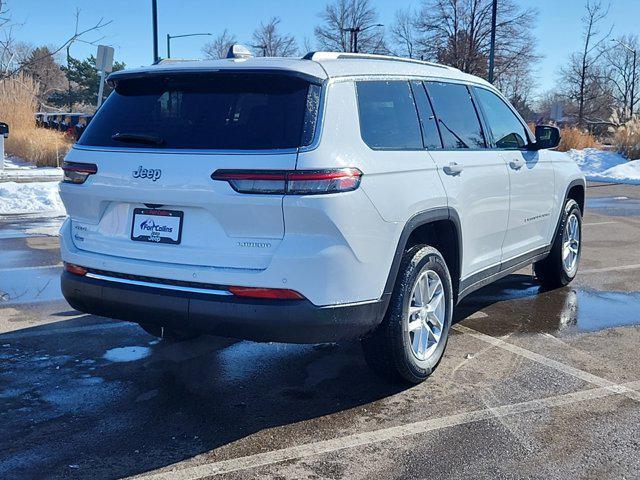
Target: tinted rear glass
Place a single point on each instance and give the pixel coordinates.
(388, 116)
(218, 111)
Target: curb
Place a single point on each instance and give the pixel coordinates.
(29, 178)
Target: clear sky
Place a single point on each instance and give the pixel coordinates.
(50, 22)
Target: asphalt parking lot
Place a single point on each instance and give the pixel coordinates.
(533, 384)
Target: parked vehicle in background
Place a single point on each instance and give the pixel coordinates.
(81, 125)
(73, 124)
(312, 200)
(40, 119)
(69, 123)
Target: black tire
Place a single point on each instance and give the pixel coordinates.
(168, 334)
(551, 272)
(388, 349)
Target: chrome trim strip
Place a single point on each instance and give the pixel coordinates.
(158, 285)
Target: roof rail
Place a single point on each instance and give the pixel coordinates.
(320, 56)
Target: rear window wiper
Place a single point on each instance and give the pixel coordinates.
(137, 138)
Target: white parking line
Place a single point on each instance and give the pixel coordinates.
(63, 331)
(381, 435)
(611, 269)
(541, 359)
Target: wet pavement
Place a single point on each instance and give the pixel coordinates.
(534, 384)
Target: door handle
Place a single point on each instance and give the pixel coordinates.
(516, 163)
(453, 169)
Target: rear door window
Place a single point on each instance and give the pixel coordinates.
(457, 116)
(388, 116)
(507, 131)
(219, 111)
(430, 135)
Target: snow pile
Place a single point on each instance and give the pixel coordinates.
(602, 166)
(34, 197)
(17, 167)
(628, 172)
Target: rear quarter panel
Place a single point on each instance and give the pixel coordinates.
(395, 186)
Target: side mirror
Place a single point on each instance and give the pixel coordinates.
(4, 130)
(546, 137)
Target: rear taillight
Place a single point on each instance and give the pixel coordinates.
(77, 172)
(270, 293)
(75, 269)
(291, 182)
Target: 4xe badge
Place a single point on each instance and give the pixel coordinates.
(150, 173)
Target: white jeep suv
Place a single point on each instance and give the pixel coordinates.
(317, 199)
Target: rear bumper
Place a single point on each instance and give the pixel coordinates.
(293, 321)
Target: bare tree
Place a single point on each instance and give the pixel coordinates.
(9, 64)
(584, 78)
(458, 33)
(404, 33)
(269, 42)
(341, 15)
(619, 66)
(43, 68)
(220, 45)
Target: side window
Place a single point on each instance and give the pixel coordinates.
(457, 116)
(430, 135)
(388, 116)
(508, 132)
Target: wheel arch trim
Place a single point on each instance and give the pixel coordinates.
(419, 219)
(578, 182)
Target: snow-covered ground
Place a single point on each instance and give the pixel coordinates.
(32, 197)
(602, 166)
(16, 167)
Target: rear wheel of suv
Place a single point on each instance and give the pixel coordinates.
(168, 334)
(561, 265)
(410, 341)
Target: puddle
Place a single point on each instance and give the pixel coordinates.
(244, 360)
(127, 354)
(22, 226)
(615, 206)
(596, 310)
(523, 306)
(30, 285)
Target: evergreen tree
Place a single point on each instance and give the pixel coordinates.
(84, 82)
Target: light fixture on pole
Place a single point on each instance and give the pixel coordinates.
(262, 47)
(169, 37)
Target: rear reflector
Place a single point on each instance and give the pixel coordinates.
(291, 182)
(271, 293)
(77, 172)
(75, 269)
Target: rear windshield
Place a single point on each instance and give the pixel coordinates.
(221, 111)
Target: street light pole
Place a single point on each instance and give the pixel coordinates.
(633, 75)
(353, 35)
(169, 37)
(154, 22)
(633, 84)
(492, 49)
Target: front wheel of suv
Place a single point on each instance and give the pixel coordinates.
(561, 265)
(410, 341)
